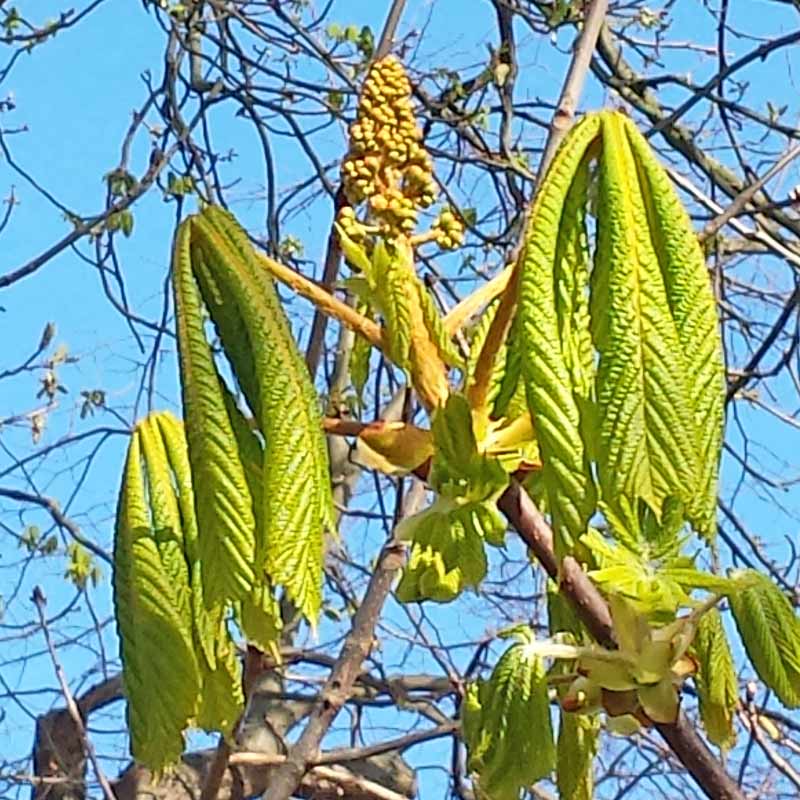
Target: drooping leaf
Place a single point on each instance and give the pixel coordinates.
(770, 631)
(160, 670)
(166, 517)
(260, 619)
(447, 552)
(716, 681)
(693, 307)
(647, 445)
(577, 745)
(507, 727)
(552, 397)
(226, 528)
(205, 620)
(221, 697)
(297, 504)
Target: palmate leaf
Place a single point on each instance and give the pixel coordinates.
(226, 527)
(553, 398)
(647, 444)
(507, 727)
(716, 681)
(297, 504)
(770, 631)
(161, 675)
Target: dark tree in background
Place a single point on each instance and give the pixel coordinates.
(247, 105)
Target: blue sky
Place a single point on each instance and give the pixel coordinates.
(74, 96)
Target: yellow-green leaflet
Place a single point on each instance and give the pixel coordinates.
(716, 681)
(694, 310)
(161, 675)
(506, 725)
(297, 506)
(226, 527)
(552, 398)
(770, 631)
(221, 700)
(647, 444)
(166, 518)
(578, 736)
(394, 281)
(205, 627)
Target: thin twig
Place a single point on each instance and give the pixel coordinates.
(336, 691)
(745, 196)
(72, 707)
(389, 29)
(573, 85)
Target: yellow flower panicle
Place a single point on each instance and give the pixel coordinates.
(386, 166)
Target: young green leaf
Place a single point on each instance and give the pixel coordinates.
(297, 504)
(693, 307)
(447, 554)
(548, 361)
(770, 631)
(160, 670)
(166, 517)
(205, 628)
(507, 727)
(221, 698)
(716, 681)
(647, 446)
(226, 527)
(577, 745)
(395, 284)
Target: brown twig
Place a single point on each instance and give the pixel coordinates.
(573, 85)
(340, 682)
(747, 194)
(72, 707)
(591, 606)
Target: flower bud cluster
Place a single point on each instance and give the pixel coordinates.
(448, 230)
(387, 166)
